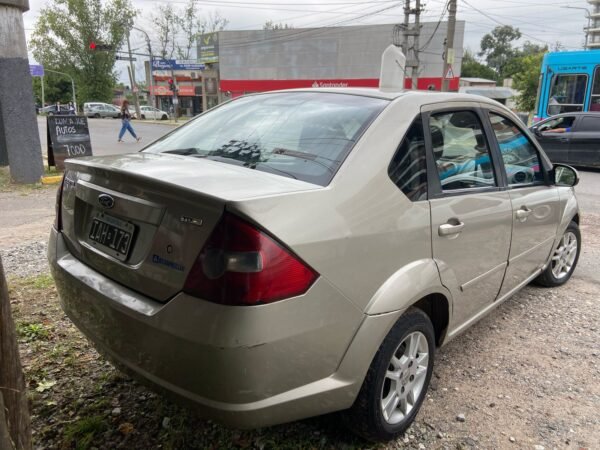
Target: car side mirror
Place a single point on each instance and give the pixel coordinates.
(565, 175)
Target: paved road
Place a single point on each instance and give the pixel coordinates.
(588, 191)
(104, 133)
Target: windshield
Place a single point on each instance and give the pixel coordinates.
(302, 135)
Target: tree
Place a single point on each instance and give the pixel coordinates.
(519, 62)
(470, 67)
(498, 49)
(177, 30)
(15, 424)
(526, 80)
(63, 33)
(165, 30)
(270, 25)
(56, 89)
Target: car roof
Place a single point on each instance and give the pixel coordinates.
(424, 96)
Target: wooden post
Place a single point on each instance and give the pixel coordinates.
(15, 425)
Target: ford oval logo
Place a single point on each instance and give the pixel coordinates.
(106, 201)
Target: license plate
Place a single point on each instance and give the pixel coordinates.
(112, 235)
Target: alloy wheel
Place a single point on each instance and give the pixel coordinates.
(564, 256)
(405, 378)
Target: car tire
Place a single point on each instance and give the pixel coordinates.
(97, 116)
(164, 117)
(143, 117)
(395, 376)
(564, 259)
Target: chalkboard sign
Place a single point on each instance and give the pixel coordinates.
(68, 137)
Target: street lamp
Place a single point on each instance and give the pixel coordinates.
(72, 85)
(588, 17)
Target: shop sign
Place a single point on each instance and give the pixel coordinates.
(184, 91)
(177, 64)
(209, 48)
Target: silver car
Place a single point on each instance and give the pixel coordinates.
(295, 253)
(98, 110)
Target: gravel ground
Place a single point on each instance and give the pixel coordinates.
(25, 260)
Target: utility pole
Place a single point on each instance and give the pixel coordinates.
(412, 51)
(19, 138)
(151, 59)
(449, 53)
(132, 79)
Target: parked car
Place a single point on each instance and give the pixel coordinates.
(98, 110)
(53, 110)
(295, 253)
(149, 112)
(572, 138)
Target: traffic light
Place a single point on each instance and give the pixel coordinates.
(172, 85)
(100, 47)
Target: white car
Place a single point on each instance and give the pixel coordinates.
(148, 112)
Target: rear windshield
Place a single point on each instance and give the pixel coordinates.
(302, 135)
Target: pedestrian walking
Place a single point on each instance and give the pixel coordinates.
(71, 109)
(126, 122)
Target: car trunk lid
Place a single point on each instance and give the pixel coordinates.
(142, 219)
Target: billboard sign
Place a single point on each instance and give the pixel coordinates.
(209, 48)
(36, 70)
(177, 64)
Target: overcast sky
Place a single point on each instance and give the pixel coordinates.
(541, 22)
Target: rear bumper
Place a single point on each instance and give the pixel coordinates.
(243, 366)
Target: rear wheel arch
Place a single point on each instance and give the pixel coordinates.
(437, 308)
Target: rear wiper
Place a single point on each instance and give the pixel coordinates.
(182, 151)
(305, 156)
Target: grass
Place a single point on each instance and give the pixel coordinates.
(32, 331)
(7, 185)
(81, 434)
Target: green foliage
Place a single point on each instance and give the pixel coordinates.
(30, 332)
(526, 80)
(81, 433)
(472, 68)
(498, 47)
(61, 38)
(56, 89)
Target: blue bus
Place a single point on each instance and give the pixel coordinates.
(569, 81)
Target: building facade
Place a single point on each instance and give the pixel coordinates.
(593, 39)
(264, 60)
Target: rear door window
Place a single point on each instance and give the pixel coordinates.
(589, 124)
(461, 151)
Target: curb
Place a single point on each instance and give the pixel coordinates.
(52, 180)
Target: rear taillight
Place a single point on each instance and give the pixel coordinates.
(242, 265)
(58, 216)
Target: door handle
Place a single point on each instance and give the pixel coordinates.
(449, 229)
(523, 213)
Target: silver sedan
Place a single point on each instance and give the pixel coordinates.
(295, 253)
